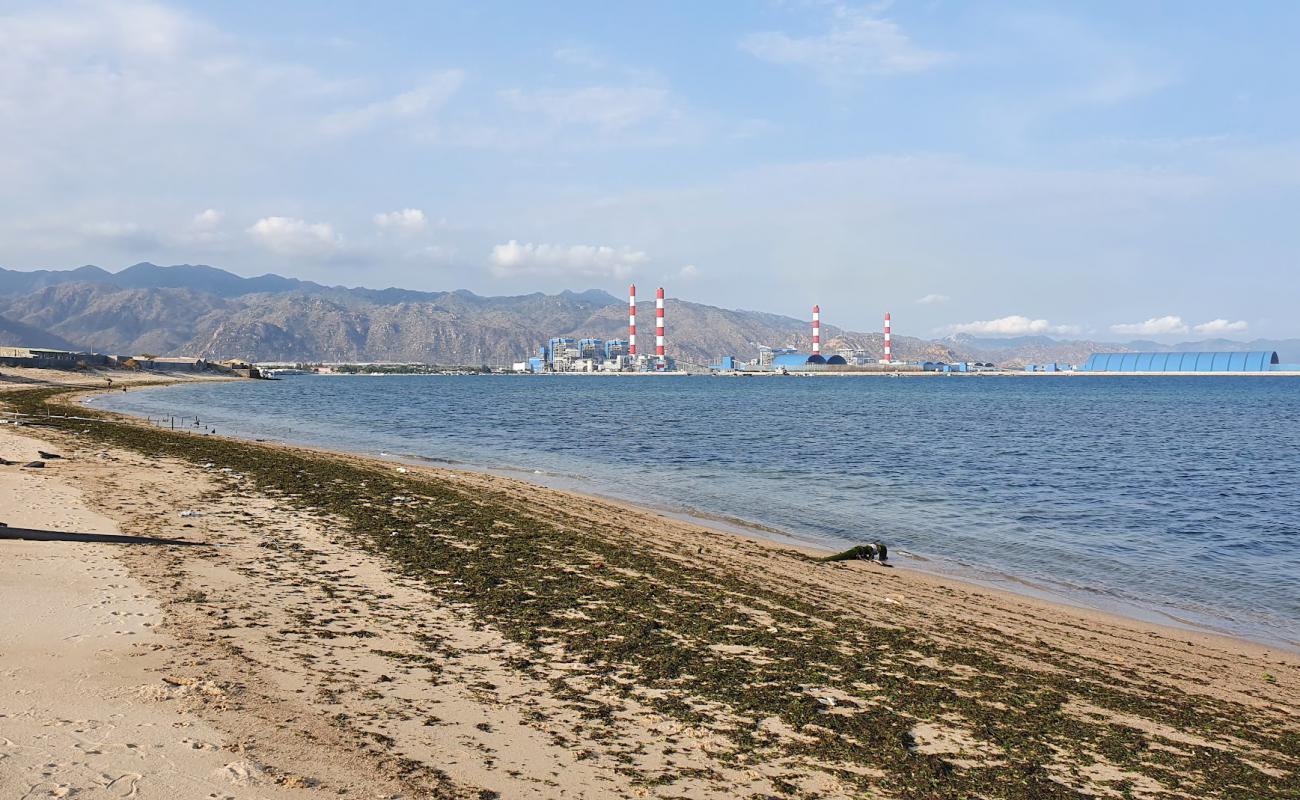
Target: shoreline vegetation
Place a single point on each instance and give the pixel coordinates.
(609, 651)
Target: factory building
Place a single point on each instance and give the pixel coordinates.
(789, 358)
(1257, 361)
(853, 356)
(590, 354)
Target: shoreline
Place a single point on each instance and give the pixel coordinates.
(465, 635)
(933, 565)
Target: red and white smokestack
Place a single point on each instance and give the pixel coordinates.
(631, 321)
(659, 328)
(817, 330)
(889, 358)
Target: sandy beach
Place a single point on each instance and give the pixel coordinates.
(346, 627)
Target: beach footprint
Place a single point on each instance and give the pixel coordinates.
(126, 785)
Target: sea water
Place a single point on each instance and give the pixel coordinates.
(1171, 498)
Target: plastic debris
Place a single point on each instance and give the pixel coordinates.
(191, 513)
(48, 456)
(34, 465)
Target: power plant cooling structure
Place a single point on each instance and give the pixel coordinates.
(659, 329)
(631, 321)
(889, 358)
(817, 330)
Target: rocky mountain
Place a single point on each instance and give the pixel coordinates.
(16, 332)
(1020, 350)
(204, 311)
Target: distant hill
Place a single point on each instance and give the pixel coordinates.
(28, 336)
(205, 311)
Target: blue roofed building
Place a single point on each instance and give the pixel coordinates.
(1225, 362)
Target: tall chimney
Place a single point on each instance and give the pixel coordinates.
(659, 328)
(889, 358)
(631, 321)
(817, 330)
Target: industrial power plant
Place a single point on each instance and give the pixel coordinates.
(591, 355)
(562, 354)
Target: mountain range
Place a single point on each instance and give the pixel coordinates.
(198, 310)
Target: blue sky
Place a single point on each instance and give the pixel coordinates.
(1104, 169)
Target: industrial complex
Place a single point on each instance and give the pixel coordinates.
(592, 355)
(564, 354)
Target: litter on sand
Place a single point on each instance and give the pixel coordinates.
(876, 551)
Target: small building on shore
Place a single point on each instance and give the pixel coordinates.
(168, 363)
(49, 358)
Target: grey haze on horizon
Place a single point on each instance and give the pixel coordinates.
(985, 168)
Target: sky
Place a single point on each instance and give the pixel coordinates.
(1105, 170)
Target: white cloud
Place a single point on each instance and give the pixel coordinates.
(1014, 325)
(933, 300)
(204, 231)
(294, 237)
(689, 272)
(1219, 327)
(410, 105)
(206, 220)
(1156, 326)
(578, 260)
(407, 221)
(857, 44)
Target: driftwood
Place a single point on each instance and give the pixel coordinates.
(876, 551)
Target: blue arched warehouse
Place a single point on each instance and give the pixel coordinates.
(1256, 361)
(796, 360)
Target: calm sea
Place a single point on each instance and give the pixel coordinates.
(1173, 499)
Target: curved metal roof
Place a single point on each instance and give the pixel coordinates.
(1254, 361)
(789, 360)
(837, 361)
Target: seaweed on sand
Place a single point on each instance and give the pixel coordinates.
(848, 692)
